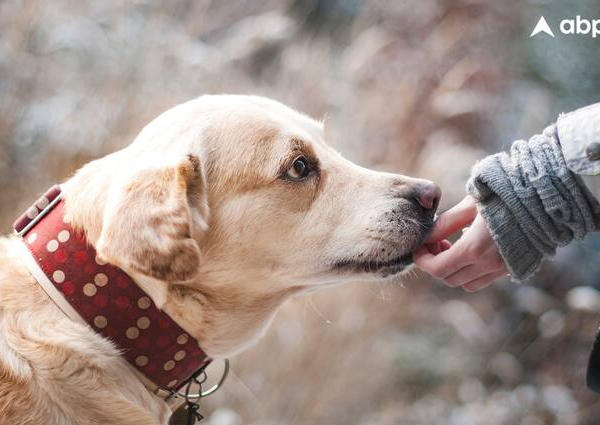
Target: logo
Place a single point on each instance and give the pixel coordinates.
(542, 26)
(579, 26)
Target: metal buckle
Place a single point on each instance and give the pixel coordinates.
(201, 394)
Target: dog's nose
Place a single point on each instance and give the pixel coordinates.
(428, 195)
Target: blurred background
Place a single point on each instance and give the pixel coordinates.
(418, 87)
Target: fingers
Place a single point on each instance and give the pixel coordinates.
(440, 246)
(443, 264)
(445, 245)
(468, 274)
(483, 281)
(473, 261)
(451, 221)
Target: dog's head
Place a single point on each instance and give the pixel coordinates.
(245, 183)
(239, 194)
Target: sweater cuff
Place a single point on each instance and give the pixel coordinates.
(508, 221)
(521, 257)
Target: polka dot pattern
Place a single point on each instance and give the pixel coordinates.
(144, 303)
(52, 245)
(33, 211)
(42, 203)
(141, 360)
(58, 276)
(143, 322)
(111, 302)
(100, 279)
(100, 322)
(63, 236)
(132, 332)
(89, 289)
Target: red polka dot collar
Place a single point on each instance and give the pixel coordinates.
(105, 297)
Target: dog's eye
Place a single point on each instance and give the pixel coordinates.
(300, 169)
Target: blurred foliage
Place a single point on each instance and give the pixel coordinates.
(423, 88)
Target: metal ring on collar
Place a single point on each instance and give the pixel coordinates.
(212, 389)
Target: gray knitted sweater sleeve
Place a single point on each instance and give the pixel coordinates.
(532, 203)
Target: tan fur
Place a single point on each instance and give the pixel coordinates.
(198, 212)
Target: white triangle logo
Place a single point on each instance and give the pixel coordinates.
(542, 26)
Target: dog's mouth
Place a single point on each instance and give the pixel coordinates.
(383, 268)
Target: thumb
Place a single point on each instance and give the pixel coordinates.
(453, 220)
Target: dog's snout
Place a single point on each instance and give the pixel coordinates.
(427, 195)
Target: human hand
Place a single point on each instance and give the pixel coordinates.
(473, 261)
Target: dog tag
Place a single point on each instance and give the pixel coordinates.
(193, 414)
(183, 416)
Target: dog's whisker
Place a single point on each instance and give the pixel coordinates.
(319, 312)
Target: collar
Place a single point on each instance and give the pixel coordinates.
(163, 355)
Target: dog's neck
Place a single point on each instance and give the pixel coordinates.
(223, 316)
(225, 311)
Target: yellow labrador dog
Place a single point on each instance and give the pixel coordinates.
(221, 209)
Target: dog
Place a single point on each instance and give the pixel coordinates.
(220, 210)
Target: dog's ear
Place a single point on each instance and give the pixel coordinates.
(150, 220)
